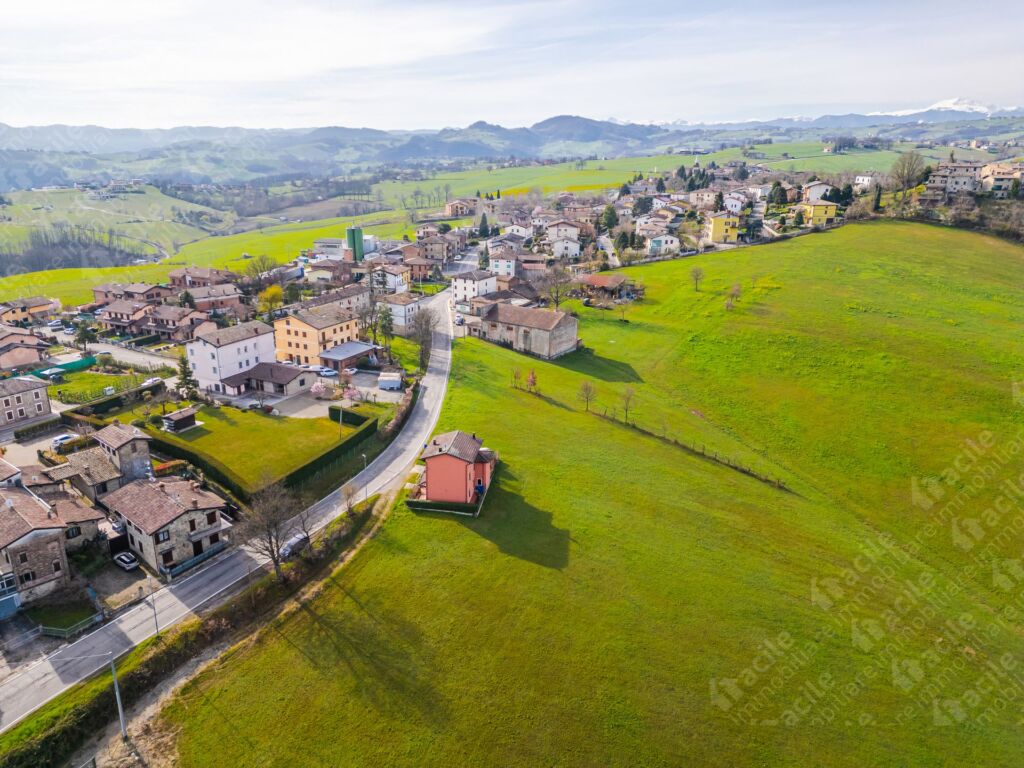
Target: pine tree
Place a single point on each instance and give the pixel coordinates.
(187, 381)
(877, 204)
(609, 218)
(624, 190)
(660, 186)
(483, 230)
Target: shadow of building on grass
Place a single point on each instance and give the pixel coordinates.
(515, 526)
(588, 363)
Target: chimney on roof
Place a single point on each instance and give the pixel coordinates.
(195, 503)
(116, 422)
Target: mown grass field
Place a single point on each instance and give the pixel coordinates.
(624, 602)
(258, 447)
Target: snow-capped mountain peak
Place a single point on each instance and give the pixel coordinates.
(956, 104)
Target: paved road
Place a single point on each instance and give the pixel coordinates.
(120, 354)
(29, 689)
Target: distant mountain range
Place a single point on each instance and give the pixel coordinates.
(56, 154)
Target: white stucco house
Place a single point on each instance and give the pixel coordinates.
(215, 355)
(469, 285)
(662, 245)
(565, 248)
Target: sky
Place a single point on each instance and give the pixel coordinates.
(438, 63)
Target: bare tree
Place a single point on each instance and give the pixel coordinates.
(266, 523)
(696, 274)
(517, 378)
(907, 171)
(557, 284)
(587, 394)
(306, 518)
(348, 497)
(627, 402)
(735, 292)
(422, 327)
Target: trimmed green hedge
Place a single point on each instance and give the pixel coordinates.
(347, 416)
(340, 452)
(36, 429)
(212, 467)
(441, 506)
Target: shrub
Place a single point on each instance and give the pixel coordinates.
(156, 420)
(36, 429)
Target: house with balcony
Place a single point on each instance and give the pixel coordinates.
(171, 524)
(141, 293)
(721, 227)
(33, 309)
(124, 317)
(390, 278)
(301, 336)
(173, 323)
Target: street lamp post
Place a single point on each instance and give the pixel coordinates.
(152, 604)
(117, 695)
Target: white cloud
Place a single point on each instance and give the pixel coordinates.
(427, 64)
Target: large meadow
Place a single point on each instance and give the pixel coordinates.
(625, 601)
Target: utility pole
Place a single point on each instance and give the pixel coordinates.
(117, 695)
(152, 604)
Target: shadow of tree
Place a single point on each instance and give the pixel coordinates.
(516, 527)
(382, 652)
(589, 363)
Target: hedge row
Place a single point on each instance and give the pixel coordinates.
(210, 466)
(340, 452)
(36, 429)
(347, 416)
(441, 506)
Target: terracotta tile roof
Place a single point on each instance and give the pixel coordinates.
(7, 470)
(276, 373)
(116, 435)
(458, 444)
(539, 319)
(324, 316)
(152, 504)
(91, 464)
(21, 513)
(34, 474)
(72, 509)
(235, 333)
(606, 281)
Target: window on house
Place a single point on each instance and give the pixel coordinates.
(27, 577)
(72, 532)
(167, 556)
(23, 557)
(214, 538)
(39, 407)
(192, 525)
(163, 536)
(211, 518)
(56, 566)
(37, 394)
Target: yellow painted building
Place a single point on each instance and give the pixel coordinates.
(28, 310)
(304, 334)
(819, 213)
(722, 227)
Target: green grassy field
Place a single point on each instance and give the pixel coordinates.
(282, 242)
(88, 385)
(259, 447)
(624, 602)
(147, 217)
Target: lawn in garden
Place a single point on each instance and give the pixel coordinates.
(83, 386)
(625, 601)
(257, 446)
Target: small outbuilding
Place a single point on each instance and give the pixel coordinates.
(180, 420)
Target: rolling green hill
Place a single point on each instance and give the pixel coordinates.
(622, 601)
